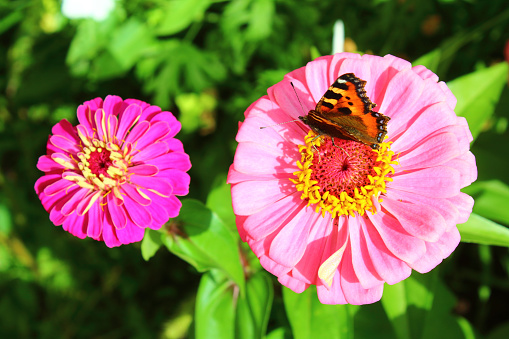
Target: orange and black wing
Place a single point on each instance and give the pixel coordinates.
(345, 111)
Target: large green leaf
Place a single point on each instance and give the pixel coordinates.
(480, 230)
(311, 319)
(174, 16)
(223, 312)
(150, 244)
(491, 199)
(198, 236)
(478, 94)
(219, 200)
(420, 307)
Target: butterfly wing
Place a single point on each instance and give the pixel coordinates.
(345, 111)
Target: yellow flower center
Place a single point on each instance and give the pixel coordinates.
(344, 178)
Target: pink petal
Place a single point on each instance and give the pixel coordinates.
(290, 244)
(255, 159)
(403, 245)
(71, 205)
(420, 221)
(390, 268)
(353, 291)
(133, 193)
(438, 182)
(361, 262)
(434, 151)
(266, 221)
(464, 203)
(250, 197)
(306, 269)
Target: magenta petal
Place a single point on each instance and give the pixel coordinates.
(250, 197)
(144, 170)
(151, 152)
(58, 187)
(133, 193)
(109, 234)
(113, 105)
(71, 205)
(64, 144)
(65, 129)
(126, 120)
(76, 225)
(95, 221)
(117, 213)
(174, 160)
(137, 213)
(137, 132)
(158, 131)
(178, 179)
(47, 164)
(156, 184)
(129, 234)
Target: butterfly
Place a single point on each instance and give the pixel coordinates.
(346, 112)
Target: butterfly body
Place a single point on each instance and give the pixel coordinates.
(346, 112)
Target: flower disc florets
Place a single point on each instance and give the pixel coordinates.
(344, 177)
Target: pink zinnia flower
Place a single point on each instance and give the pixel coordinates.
(347, 218)
(116, 173)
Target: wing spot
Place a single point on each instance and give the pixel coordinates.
(350, 103)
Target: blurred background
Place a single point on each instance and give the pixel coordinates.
(207, 61)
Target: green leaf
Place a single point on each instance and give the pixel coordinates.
(219, 200)
(480, 230)
(223, 312)
(253, 310)
(175, 16)
(311, 319)
(478, 94)
(420, 307)
(130, 42)
(490, 199)
(430, 60)
(215, 306)
(5, 220)
(150, 244)
(199, 237)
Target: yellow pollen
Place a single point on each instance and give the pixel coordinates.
(344, 204)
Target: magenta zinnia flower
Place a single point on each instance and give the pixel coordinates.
(345, 217)
(116, 173)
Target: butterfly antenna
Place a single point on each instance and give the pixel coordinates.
(301, 106)
(279, 123)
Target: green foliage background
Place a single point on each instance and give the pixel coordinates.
(207, 61)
